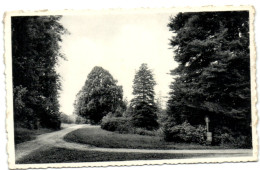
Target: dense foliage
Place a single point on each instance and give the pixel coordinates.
(99, 96)
(119, 124)
(35, 53)
(213, 76)
(69, 119)
(187, 133)
(143, 105)
(124, 125)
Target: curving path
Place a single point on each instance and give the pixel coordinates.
(44, 140)
(55, 139)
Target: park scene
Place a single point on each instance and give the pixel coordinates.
(121, 87)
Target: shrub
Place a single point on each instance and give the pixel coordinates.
(123, 124)
(66, 118)
(185, 133)
(225, 136)
(199, 135)
(119, 124)
(159, 132)
(54, 124)
(166, 128)
(80, 120)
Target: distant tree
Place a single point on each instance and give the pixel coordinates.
(99, 96)
(80, 120)
(160, 112)
(213, 76)
(64, 118)
(35, 53)
(144, 108)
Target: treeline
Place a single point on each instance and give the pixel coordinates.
(212, 80)
(35, 53)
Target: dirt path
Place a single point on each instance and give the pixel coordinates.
(55, 139)
(44, 140)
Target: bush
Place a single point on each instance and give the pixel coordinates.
(54, 124)
(80, 120)
(66, 118)
(224, 136)
(119, 124)
(185, 133)
(200, 134)
(124, 124)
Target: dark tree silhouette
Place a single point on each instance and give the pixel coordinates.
(35, 53)
(213, 76)
(144, 108)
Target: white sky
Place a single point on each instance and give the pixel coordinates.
(119, 44)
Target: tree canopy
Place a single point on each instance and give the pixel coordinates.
(35, 53)
(213, 76)
(144, 108)
(99, 96)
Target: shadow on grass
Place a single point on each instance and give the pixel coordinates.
(60, 155)
(22, 134)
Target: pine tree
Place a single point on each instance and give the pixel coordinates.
(144, 108)
(213, 76)
(99, 96)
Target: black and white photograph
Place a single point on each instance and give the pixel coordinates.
(130, 87)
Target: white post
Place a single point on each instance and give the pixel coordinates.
(207, 123)
(209, 134)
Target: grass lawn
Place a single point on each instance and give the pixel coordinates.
(23, 134)
(101, 138)
(60, 155)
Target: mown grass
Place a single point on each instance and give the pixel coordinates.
(101, 138)
(22, 134)
(60, 155)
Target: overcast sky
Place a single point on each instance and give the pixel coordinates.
(119, 44)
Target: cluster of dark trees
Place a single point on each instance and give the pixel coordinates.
(101, 95)
(35, 53)
(213, 76)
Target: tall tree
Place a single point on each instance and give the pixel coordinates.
(213, 76)
(35, 53)
(144, 108)
(99, 96)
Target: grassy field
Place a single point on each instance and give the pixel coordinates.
(100, 138)
(56, 155)
(23, 135)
